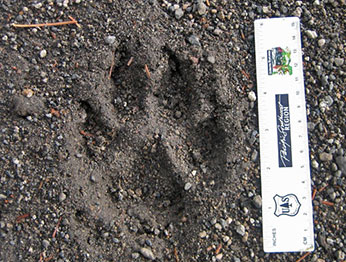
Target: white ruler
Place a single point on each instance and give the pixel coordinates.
(284, 151)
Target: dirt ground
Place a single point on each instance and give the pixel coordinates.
(131, 137)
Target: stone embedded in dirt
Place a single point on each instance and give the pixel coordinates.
(24, 106)
(219, 257)
(110, 39)
(341, 162)
(147, 253)
(326, 157)
(62, 197)
(266, 9)
(339, 61)
(193, 40)
(28, 93)
(311, 34)
(203, 234)
(179, 13)
(201, 8)
(211, 59)
(43, 53)
(240, 229)
(321, 42)
(45, 243)
(257, 201)
(252, 96)
(187, 186)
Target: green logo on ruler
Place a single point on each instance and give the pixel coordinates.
(279, 60)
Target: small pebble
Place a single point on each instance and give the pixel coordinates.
(193, 40)
(240, 229)
(225, 239)
(179, 13)
(311, 34)
(252, 96)
(43, 53)
(340, 255)
(211, 59)
(257, 201)
(28, 93)
(314, 164)
(266, 9)
(219, 257)
(201, 8)
(62, 197)
(45, 243)
(326, 157)
(147, 253)
(321, 42)
(218, 226)
(187, 186)
(339, 61)
(203, 234)
(110, 40)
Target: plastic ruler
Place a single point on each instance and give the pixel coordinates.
(284, 151)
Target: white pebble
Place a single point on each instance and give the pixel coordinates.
(311, 34)
(43, 53)
(147, 253)
(321, 42)
(219, 257)
(203, 234)
(187, 186)
(252, 96)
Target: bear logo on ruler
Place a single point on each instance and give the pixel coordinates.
(279, 60)
(288, 205)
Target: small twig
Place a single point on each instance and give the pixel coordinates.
(41, 184)
(322, 188)
(112, 66)
(20, 218)
(83, 133)
(327, 203)
(218, 249)
(73, 21)
(147, 70)
(314, 194)
(130, 61)
(242, 35)
(56, 227)
(304, 256)
(176, 254)
(245, 74)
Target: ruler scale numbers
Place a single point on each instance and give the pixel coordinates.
(284, 152)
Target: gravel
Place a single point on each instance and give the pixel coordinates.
(102, 124)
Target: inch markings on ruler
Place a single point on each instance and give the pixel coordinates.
(285, 164)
